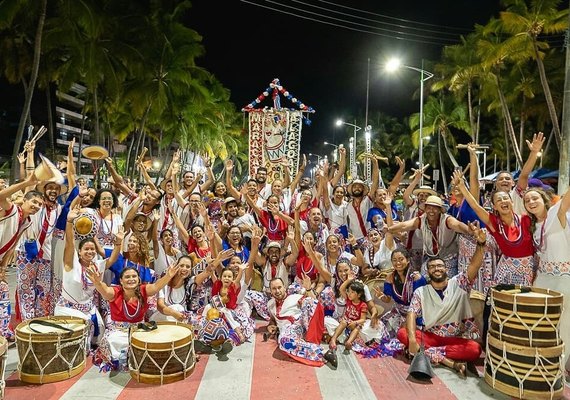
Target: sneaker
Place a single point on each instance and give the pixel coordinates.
(330, 357)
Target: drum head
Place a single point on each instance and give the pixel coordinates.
(533, 294)
(163, 334)
(76, 326)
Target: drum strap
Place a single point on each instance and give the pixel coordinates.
(48, 324)
(147, 326)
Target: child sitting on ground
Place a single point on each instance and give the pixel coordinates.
(354, 314)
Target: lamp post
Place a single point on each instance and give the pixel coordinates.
(352, 147)
(393, 65)
(335, 153)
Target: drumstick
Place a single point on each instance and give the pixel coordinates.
(143, 152)
(39, 134)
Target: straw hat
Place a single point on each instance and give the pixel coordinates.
(95, 152)
(360, 182)
(425, 189)
(228, 200)
(276, 245)
(47, 172)
(435, 201)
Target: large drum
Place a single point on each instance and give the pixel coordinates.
(3, 351)
(524, 372)
(163, 355)
(526, 316)
(51, 349)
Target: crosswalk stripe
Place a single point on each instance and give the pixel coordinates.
(95, 384)
(230, 378)
(278, 377)
(346, 382)
(185, 389)
(388, 378)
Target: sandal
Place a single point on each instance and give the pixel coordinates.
(460, 368)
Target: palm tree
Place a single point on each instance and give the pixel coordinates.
(441, 114)
(526, 24)
(12, 11)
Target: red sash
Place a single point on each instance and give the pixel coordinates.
(16, 236)
(360, 220)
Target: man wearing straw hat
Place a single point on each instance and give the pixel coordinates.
(358, 207)
(35, 290)
(14, 220)
(438, 232)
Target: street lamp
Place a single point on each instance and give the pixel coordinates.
(352, 146)
(391, 66)
(335, 153)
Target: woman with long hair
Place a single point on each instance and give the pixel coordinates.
(512, 233)
(550, 225)
(399, 287)
(128, 305)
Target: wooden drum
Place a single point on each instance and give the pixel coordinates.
(51, 349)
(3, 352)
(524, 372)
(163, 355)
(526, 316)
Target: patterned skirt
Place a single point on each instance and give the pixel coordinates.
(467, 246)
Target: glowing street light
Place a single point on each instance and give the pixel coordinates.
(352, 146)
(393, 65)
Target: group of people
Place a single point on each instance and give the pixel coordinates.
(298, 253)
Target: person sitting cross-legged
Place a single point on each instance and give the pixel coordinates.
(442, 307)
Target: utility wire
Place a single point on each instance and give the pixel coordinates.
(348, 27)
(375, 20)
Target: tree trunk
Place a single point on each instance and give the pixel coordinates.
(97, 137)
(50, 124)
(30, 90)
(478, 120)
(507, 150)
(128, 159)
(441, 166)
(473, 133)
(547, 94)
(81, 137)
(523, 120)
(509, 123)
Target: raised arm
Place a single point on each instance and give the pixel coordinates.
(375, 176)
(395, 183)
(146, 176)
(457, 226)
(210, 178)
(154, 288)
(564, 207)
(94, 276)
(416, 177)
(69, 249)
(118, 179)
(477, 259)
(6, 193)
(483, 214)
(535, 147)
(232, 191)
(405, 226)
(473, 172)
(341, 167)
(300, 173)
(70, 166)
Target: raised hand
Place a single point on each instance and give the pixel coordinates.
(229, 163)
(120, 235)
(173, 270)
(93, 275)
(401, 163)
(306, 282)
(351, 239)
(479, 234)
(156, 214)
(537, 141)
(22, 157)
(226, 254)
(472, 148)
(388, 200)
(73, 213)
(457, 179)
(176, 156)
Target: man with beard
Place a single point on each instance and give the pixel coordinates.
(35, 290)
(298, 319)
(360, 204)
(316, 226)
(442, 308)
(14, 220)
(438, 232)
(274, 264)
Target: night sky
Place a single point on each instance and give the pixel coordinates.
(325, 66)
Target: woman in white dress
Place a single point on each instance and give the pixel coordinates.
(551, 234)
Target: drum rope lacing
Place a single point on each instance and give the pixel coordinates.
(514, 313)
(539, 365)
(135, 366)
(58, 346)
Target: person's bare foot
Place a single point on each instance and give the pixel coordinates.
(461, 368)
(332, 345)
(348, 345)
